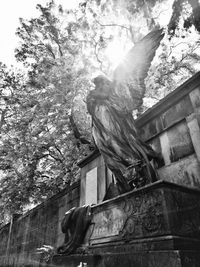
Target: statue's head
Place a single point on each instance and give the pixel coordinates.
(102, 84)
(103, 87)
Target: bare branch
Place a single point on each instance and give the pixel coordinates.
(57, 159)
(96, 53)
(173, 46)
(57, 148)
(2, 121)
(112, 25)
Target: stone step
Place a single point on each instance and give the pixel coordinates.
(145, 244)
(176, 258)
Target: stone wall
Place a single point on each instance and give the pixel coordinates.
(41, 226)
(172, 128)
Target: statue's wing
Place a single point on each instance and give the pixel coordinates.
(129, 76)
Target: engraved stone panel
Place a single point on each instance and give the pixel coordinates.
(179, 111)
(91, 187)
(180, 142)
(108, 223)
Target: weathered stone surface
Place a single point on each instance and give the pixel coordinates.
(76, 260)
(194, 129)
(172, 128)
(160, 209)
(191, 85)
(139, 259)
(180, 142)
(195, 98)
(39, 227)
(157, 225)
(184, 172)
(91, 162)
(138, 216)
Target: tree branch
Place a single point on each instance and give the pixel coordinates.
(112, 25)
(57, 148)
(2, 121)
(57, 159)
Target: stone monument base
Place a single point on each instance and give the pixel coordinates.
(155, 226)
(176, 258)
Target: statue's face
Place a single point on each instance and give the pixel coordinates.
(102, 86)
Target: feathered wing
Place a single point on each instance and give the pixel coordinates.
(129, 76)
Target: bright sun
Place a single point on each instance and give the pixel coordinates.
(119, 47)
(116, 51)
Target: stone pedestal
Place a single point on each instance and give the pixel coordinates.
(158, 225)
(174, 258)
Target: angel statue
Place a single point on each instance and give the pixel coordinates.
(111, 106)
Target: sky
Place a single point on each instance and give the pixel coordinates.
(10, 12)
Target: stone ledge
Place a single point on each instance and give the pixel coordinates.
(146, 259)
(170, 100)
(146, 244)
(158, 184)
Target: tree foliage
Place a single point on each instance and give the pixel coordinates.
(44, 125)
(187, 12)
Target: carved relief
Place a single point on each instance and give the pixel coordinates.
(133, 217)
(144, 214)
(107, 223)
(153, 220)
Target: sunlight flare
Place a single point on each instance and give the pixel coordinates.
(116, 51)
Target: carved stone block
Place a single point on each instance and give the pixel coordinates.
(141, 259)
(158, 210)
(155, 226)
